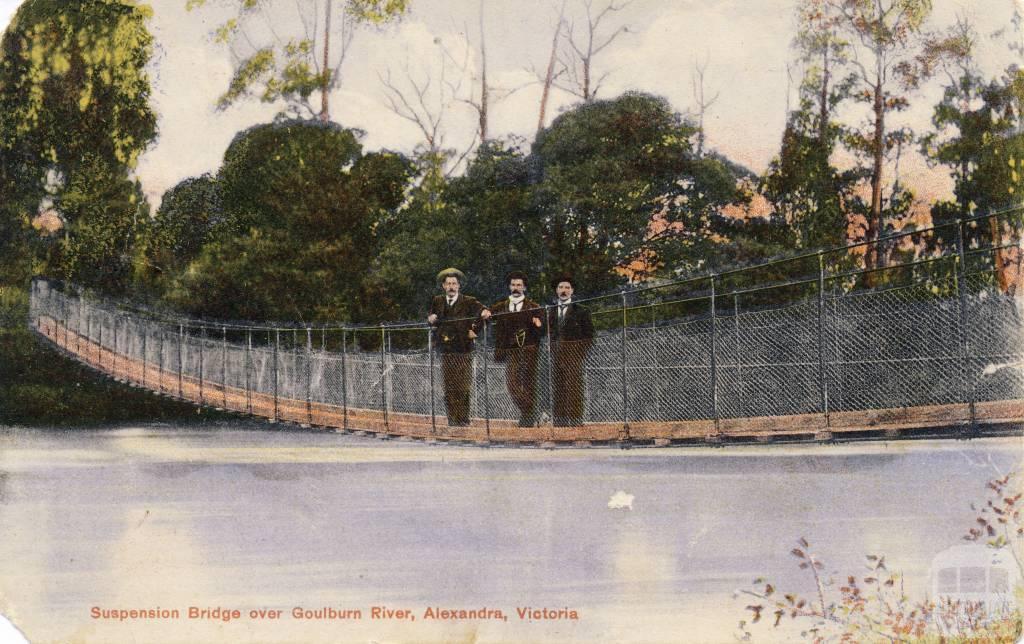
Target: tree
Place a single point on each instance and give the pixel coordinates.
(485, 222)
(108, 211)
(702, 102)
(495, 209)
(74, 118)
(812, 195)
(276, 66)
(302, 205)
(549, 75)
(705, 222)
(887, 66)
(570, 65)
(576, 61)
(977, 136)
(190, 215)
(482, 93)
(806, 190)
(310, 178)
(618, 181)
(425, 99)
(823, 51)
(18, 241)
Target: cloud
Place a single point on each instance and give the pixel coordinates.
(745, 47)
(745, 44)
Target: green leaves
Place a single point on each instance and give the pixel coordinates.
(606, 167)
(74, 118)
(285, 67)
(287, 230)
(257, 68)
(377, 12)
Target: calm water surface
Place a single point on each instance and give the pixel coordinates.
(247, 517)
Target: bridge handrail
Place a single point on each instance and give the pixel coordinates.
(945, 253)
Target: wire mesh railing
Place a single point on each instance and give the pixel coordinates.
(930, 335)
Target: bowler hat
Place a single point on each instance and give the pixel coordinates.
(563, 277)
(516, 275)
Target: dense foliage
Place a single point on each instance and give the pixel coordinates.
(74, 118)
(287, 230)
(301, 223)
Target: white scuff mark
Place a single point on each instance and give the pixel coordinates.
(992, 368)
(9, 633)
(621, 501)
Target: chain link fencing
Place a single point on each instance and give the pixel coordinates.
(935, 325)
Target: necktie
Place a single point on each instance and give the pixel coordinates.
(515, 307)
(561, 312)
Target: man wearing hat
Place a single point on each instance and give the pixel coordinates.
(572, 334)
(518, 327)
(456, 318)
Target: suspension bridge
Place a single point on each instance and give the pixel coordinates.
(810, 347)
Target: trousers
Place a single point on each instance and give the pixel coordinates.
(456, 369)
(521, 380)
(568, 384)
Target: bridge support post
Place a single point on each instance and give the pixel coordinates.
(658, 385)
(277, 346)
(837, 351)
(224, 366)
(122, 348)
(309, 375)
(202, 368)
(66, 308)
(822, 380)
(487, 388)
(430, 394)
(344, 379)
(99, 355)
(78, 326)
(624, 434)
(741, 387)
(160, 361)
(248, 366)
(714, 363)
(549, 314)
(145, 348)
(113, 349)
(966, 388)
(181, 367)
(383, 375)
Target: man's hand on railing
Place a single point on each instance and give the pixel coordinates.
(432, 318)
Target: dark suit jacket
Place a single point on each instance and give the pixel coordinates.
(516, 330)
(576, 327)
(455, 322)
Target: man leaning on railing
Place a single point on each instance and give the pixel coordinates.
(572, 334)
(456, 318)
(518, 327)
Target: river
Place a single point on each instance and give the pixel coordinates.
(637, 545)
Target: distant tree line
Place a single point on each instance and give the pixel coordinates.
(300, 222)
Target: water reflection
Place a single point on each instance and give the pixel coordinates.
(255, 519)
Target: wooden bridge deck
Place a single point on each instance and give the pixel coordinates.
(951, 419)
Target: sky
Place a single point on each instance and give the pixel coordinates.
(743, 44)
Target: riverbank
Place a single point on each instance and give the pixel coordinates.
(40, 387)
